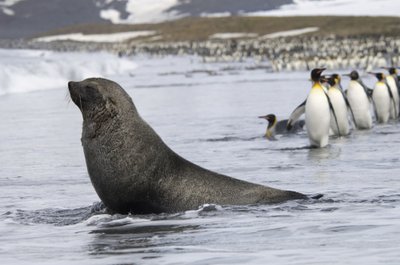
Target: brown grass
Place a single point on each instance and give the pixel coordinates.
(198, 29)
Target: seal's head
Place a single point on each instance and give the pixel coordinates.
(99, 98)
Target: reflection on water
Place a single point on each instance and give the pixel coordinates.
(318, 154)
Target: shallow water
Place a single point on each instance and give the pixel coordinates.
(49, 212)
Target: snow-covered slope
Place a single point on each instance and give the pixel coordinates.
(143, 11)
(24, 18)
(336, 7)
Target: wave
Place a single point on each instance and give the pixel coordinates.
(30, 70)
(55, 216)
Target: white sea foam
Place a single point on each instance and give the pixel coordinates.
(26, 70)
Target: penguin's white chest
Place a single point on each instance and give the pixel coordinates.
(339, 121)
(381, 99)
(317, 117)
(360, 105)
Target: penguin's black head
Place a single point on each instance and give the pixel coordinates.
(334, 79)
(331, 81)
(271, 118)
(336, 76)
(353, 75)
(316, 74)
(379, 76)
(392, 70)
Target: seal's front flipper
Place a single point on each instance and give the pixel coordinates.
(317, 196)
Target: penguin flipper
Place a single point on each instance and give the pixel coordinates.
(398, 86)
(374, 107)
(333, 112)
(398, 83)
(391, 97)
(349, 107)
(367, 90)
(296, 115)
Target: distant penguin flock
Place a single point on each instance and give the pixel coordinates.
(330, 111)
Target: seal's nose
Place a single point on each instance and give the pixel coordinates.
(73, 91)
(71, 84)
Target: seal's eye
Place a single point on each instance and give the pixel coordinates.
(91, 93)
(112, 101)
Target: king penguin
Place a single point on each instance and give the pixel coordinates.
(358, 96)
(279, 127)
(382, 99)
(392, 82)
(317, 111)
(339, 124)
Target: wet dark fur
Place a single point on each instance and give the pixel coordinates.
(131, 168)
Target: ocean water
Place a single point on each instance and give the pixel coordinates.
(50, 213)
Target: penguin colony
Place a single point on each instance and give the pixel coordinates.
(287, 53)
(329, 110)
(298, 53)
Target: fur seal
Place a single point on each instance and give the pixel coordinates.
(134, 171)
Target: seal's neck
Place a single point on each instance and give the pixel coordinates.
(106, 121)
(98, 120)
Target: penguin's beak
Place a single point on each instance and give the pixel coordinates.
(263, 117)
(346, 75)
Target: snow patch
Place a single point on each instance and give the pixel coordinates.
(150, 11)
(5, 4)
(112, 37)
(233, 35)
(288, 33)
(9, 2)
(8, 11)
(222, 14)
(335, 8)
(111, 14)
(153, 11)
